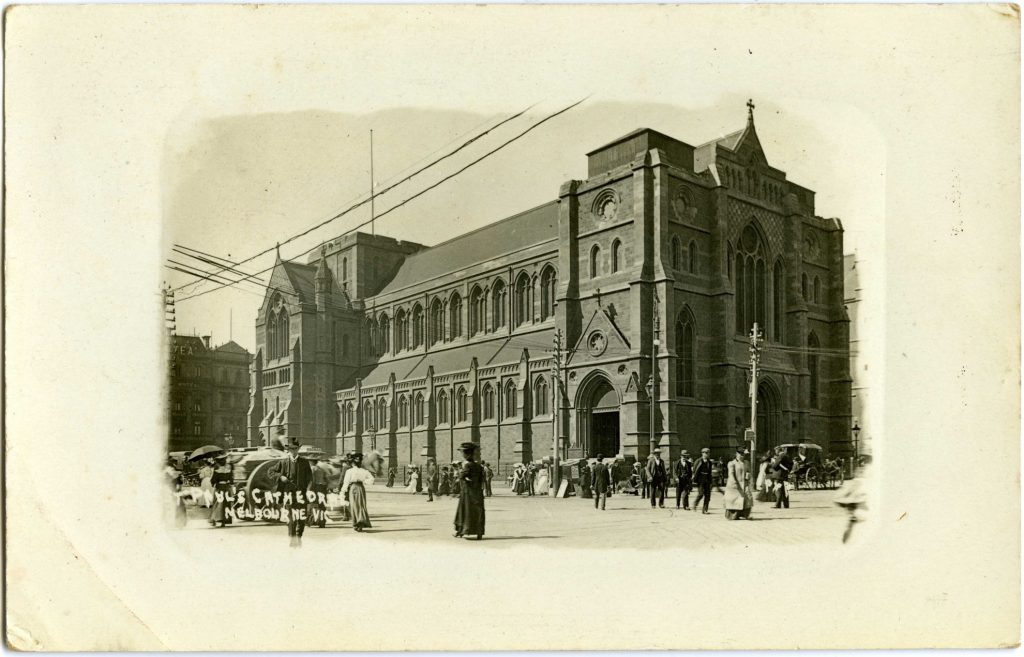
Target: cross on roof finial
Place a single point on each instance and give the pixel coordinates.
(750, 110)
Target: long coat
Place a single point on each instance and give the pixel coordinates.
(469, 517)
(602, 479)
(702, 471)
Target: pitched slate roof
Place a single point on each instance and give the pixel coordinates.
(301, 278)
(232, 347)
(499, 351)
(518, 232)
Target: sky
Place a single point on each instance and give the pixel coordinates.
(238, 185)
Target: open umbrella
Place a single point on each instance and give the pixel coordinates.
(205, 452)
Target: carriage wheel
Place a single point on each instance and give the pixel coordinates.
(811, 477)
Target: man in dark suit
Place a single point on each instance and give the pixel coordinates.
(684, 479)
(702, 477)
(658, 475)
(601, 482)
(431, 479)
(782, 469)
(294, 483)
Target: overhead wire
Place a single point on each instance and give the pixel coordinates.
(374, 195)
(445, 179)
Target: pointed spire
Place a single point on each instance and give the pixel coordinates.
(277, 249)
(750, 111)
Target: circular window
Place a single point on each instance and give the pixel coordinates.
(597, 343)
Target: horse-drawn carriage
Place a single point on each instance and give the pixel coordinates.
(811, 469)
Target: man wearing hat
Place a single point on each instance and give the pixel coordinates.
(702, 477)
(316, 511)
(432, 479)
(295, 483)
(601, 482)
(684, 479)
(469, 517)
(657, 473)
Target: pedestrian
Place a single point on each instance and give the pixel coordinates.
(220, 482)
(645, 480)
(601, 483)
(456, 480)
(684, 479)
(443, 481)
(391, 477)
(316, 511)
(294, 482)
(737, 498)
(488, 476)
(469, 517)
(761, 483)
(206, 483)
(587, 481)
(702, 473)
(356, 480)
(543, 480)
(431, 479)
(657, 473)
(782, 469)
(414, 481)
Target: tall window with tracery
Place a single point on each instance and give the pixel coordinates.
(403, 411)
(511, 400)
(498, 303)
(522, 305)
(436, 322)
(751, 299)
(616, 256)
(461, 405)
(418, 410)
(401, 330)
(595, 261)
(548, 281)
(455, 317)
(813, 347)
(488, 402)
(382, 413)
(441, 404)
(477, 306)
(385, 335)
(540, 396)
(778, 301)
(417, 326)
(685, 347)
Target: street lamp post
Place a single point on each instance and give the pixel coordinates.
(856, 446)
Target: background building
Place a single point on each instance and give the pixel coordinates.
(859, 364)
(379, 343)
(209, 389)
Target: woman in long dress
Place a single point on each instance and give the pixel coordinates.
(206, 483)
(469, 517)
(444, 484)
(414, 482)
(737, 503)
(221, 482)
(356, 480)
(542, 482)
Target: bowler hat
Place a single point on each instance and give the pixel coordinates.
(685, 453)
(705, 450)
(292, 442)
(467, 447)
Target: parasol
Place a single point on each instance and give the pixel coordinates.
(206, 451)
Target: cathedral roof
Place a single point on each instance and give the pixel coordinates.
(301, 278)
(500, 351)
(518, 232)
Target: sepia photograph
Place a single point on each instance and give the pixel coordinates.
(380, 328)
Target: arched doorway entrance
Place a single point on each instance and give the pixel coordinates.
(598, 418)
(768, 412)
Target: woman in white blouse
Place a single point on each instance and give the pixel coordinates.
(353, 488)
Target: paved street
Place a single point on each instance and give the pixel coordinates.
(628, 521)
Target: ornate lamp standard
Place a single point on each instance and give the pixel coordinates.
(856, 447)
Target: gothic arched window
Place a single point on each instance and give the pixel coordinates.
(522, 297)
(540, 396)
(401, 330)
(436, 321)
(419, 417)
(616, 256)
(778, 301)
(403, 411)
(417, 326)
(751, 300)
(511, 400)
(685, 347)
(382, 413)
(367, 415)
(817, 290)
(677, 253)
(548, 280)
(812, 365)
(488, 402)
(803, 287)
(595, 261)
(385, 334)
(441, 404)
(271, 336)
(691, 259)
(455, 317)
(498, 303)
(282, 334)
(461, 405)
(476, 311)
